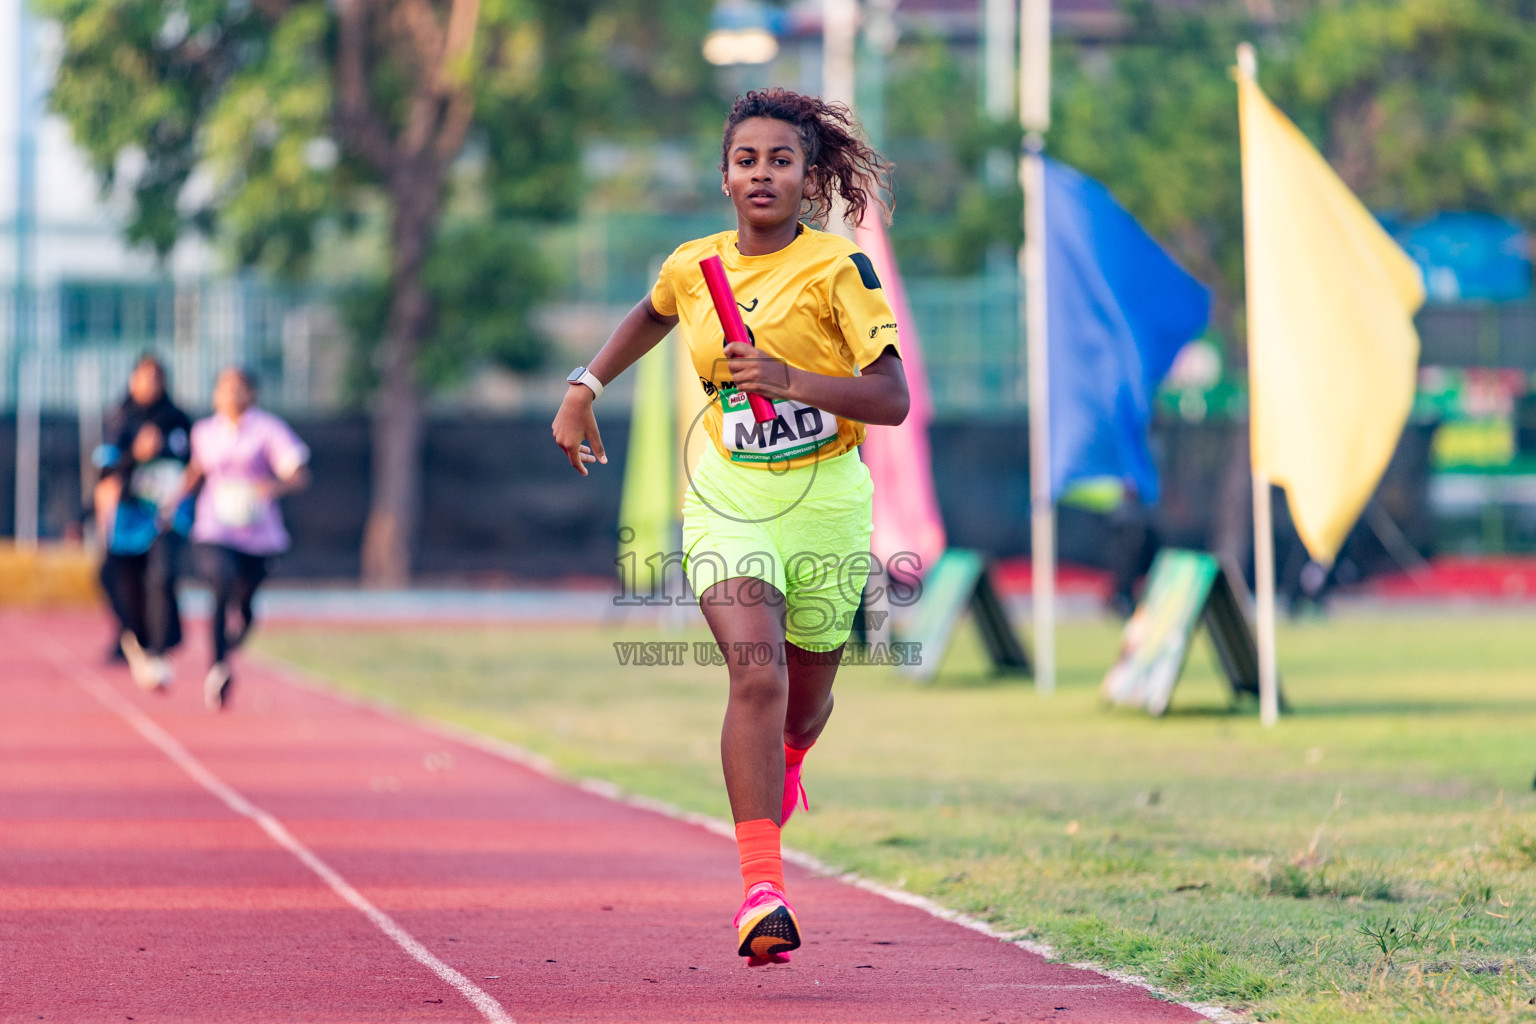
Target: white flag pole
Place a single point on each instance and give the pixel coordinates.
(839, 35)
(1035, 117)
(1264, 593)
(1042, 511)
(839, 76)
(24, 334)
(1263, 520)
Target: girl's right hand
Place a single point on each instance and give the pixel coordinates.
(575, 425)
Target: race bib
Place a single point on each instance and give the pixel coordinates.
(798, 430)
(159, 482)
(236, 503)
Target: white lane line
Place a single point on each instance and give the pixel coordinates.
(172, 748)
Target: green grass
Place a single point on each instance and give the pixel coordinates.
(1373, 858)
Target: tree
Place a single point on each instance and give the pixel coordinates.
(1420, 105)
(950, 213)
(1154, 117)
(267, 123)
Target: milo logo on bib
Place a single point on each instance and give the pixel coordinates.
(797, 430)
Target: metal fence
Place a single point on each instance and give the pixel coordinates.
(972, 344)
(75, 343)
(968, 326)
(82, 337)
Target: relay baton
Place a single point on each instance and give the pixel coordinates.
(731, 323)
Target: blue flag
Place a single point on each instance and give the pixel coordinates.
(1118, 310)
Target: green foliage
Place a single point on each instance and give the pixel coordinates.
(1517, 846)
(483, 278)
(227, 116)
(1421, 105)
(581, 68)
(1325, 880)
(948, 213)
(1155, 119)
(1418, 931)
(650, 78)
(276, 174)
(143, 77)
(1208, 973)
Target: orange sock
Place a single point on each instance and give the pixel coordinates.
(793, 756)
(758, 843)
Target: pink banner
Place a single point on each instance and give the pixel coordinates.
(906, 509)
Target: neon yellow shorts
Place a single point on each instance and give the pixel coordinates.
(803, 531)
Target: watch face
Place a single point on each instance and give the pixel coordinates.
(576, 374)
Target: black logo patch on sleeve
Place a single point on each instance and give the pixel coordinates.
(866, 271)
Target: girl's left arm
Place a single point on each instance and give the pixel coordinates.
(878, 395)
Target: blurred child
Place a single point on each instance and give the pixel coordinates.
(243, 460)
(143, 523)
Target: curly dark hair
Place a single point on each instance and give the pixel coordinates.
(845, 164)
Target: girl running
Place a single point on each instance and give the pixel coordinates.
(244, 459)
(144, 523)
(776, 522)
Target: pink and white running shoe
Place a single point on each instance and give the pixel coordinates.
(766, 926)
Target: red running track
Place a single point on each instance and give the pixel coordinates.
(131, 891)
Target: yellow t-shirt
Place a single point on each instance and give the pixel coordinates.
(816, 304)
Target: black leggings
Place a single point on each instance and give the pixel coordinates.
(234, 577)
(142, 592)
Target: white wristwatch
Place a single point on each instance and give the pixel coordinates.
(582, 375)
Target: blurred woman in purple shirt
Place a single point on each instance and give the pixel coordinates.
(244, 459)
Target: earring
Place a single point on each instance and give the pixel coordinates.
(726, 191)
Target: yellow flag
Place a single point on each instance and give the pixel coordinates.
(1332, 351)
(648, 508)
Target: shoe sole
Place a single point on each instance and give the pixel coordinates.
(216, 700)
(770, 937)
(161, 675)
(140, 668)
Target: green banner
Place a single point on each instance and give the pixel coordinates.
(649, 507)
(961, 581)
(1184, 589)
